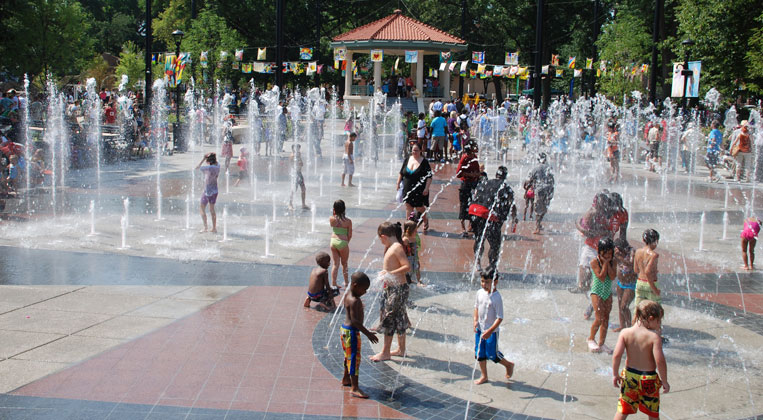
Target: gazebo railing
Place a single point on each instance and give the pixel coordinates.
(433, 92)
(361, 90)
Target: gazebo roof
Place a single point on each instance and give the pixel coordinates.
(399, 31)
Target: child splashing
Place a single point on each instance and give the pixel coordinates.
(603, 271)
(749, 238)
(341, 227)
(626, 281)
(411, 243)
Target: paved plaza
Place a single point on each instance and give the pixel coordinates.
(178, 324)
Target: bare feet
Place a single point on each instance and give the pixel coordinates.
(343, 185)
(359, 394)
(203, 230)
(480, 381)
(537, 232)
(618, 329)
(510, 370)
(350, 184)
(380, 357)
(346, 382)
(213, 230)
(744, 267)
(397, 352)
(304, 207)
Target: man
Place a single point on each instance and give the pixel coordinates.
(469, 173)
(493, 202)
(542, 181)
(439, 146)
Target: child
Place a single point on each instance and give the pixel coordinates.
(299, 180)
(351, 329)
(227, 146)
(626, 281)
(529, 199)
(348, 160)
(749, 238)
(394, 318)
(341, 227)
(645, 266)
(211, 171)
(639, 382)
(602, 271)
(400, 141)
(488, 315)
(243, 166)
(411, 242)
(318, 290)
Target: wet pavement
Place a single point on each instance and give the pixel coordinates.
(185, 325)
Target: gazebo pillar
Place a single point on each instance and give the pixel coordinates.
(377, 75)
(445, 82)
(348, 75)
(420, 73)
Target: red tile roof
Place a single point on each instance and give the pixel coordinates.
(397, 27)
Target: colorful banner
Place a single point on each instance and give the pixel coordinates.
(478, 57)
(246, 68)
(452, 66)
(602, 65)
(559, 72)
(340, 54)
(442, 66)
(305, 53)
(544, 70)
(234, 65)
(377, 55)
(555, 60)
(169, 69)
(411, 56)
(497, 70)
(512, 59)
(571, 63)
(312, 67)
(578, 73)
(589, 63)
(261, 54)
(462, 71)
(513, 71)
(481, 68)
(397, 61)
(445, 56)
(259, 67)
(472, 74)
(239, 55)
(153, 58)
(223, 55)
(204, 59)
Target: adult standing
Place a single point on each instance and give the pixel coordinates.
(542, 181)
(741, 149)
(439, 125)
(469, 173)
(493, 203)
(414, 178)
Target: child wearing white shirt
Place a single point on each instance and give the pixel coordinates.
(488, 315)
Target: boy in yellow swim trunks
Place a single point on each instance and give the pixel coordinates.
(645, 266)
(645, 366)
(351, 329)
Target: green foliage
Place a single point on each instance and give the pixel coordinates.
(624, 41)
(131, 63)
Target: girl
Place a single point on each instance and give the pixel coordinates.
(603, 271)
(243, 166)
(411, 243)
(341, 227)
(626, 281)
(749, 238)
(211, 171)
(529, 199)
(227, 147)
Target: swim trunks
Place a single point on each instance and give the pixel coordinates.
(629, 286)
(351, 347)
(639, 390)
(208, 199)
(394, 318)
(324, 296)
(349, 166)
(487, 349)
(643, 291)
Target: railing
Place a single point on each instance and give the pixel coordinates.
(361, 90)
(433, 92)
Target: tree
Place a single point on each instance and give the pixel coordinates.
(623, 41)
(131, 64)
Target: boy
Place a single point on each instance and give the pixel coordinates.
(299, 180)
(351, 329)
(645, 266)
(488, 315)
(318, 290)
(639, 382)
(348, 160)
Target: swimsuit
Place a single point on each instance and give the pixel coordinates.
(323, 296)
(639, 390)
(631, 286)
(351, 347)
(643, 291)
(603, 289)
(394, 318)
(487, 349)
(337, 243)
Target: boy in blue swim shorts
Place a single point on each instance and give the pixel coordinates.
(319, 290)
(351, 329)
(488, 315)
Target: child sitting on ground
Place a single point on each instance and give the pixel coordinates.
(318, 289)
(626, 281)
(749, 238)
(645, 366)
(529, 199)
(350, 331)
(488, 315)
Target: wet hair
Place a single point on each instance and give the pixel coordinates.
(488, 274)
(650, 236)
(501, 172)
(339, 209)
(360, 278)
(421, 115)
(622, 244)
(322, 256)
(541, 157)
(212, 159)
(647, 309)
(616, 201)
(605, 245)
(409, 227)
(353, 134)
(391, 230)
(601, 199)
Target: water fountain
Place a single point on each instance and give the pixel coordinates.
(94, 115)
(159, 136)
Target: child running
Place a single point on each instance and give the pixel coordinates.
(318, 290)
(350, 331)
(645, 366)
(394, 318)
(341, 227)
(209, 196)
(626, 281)
(488, 315)
(749, 238)
(602, 271)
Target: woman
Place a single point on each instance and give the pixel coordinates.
(416, 176)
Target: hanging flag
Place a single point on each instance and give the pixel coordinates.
(429, 73)
(598, 72)
(305, 53)
(312, 67)
(571, 63)
(246, 68)
(204, 59)
(285, 67)
(578, 73)
(555, 60)
(462, 70)
(239, 55)
(478, 57)
(223, 55)
(559, 72)
(452, 66)
(340, 53)
(488, 73)
(633, 69)
(497, 70)
(523, 71)
(169, 69)
(336, 64)
(481, 68)
(344, 65)
(355, 68)
(511, 59)
(483, 76)
(472, 74)
(444, 56)
(602, 65)
(589, 63)
(377, 55)
(320, 68)
(234, 65)
(514, 70)
(644, 68)
(544, 70)
(442, 66)
(259, 67)
(397, 61)
(153, 58)
(411, 56)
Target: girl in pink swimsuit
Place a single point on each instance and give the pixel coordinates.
(749, 238)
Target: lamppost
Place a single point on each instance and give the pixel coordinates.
(686, 72)
(178, 35)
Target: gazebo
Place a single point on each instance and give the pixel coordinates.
(394, 35)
